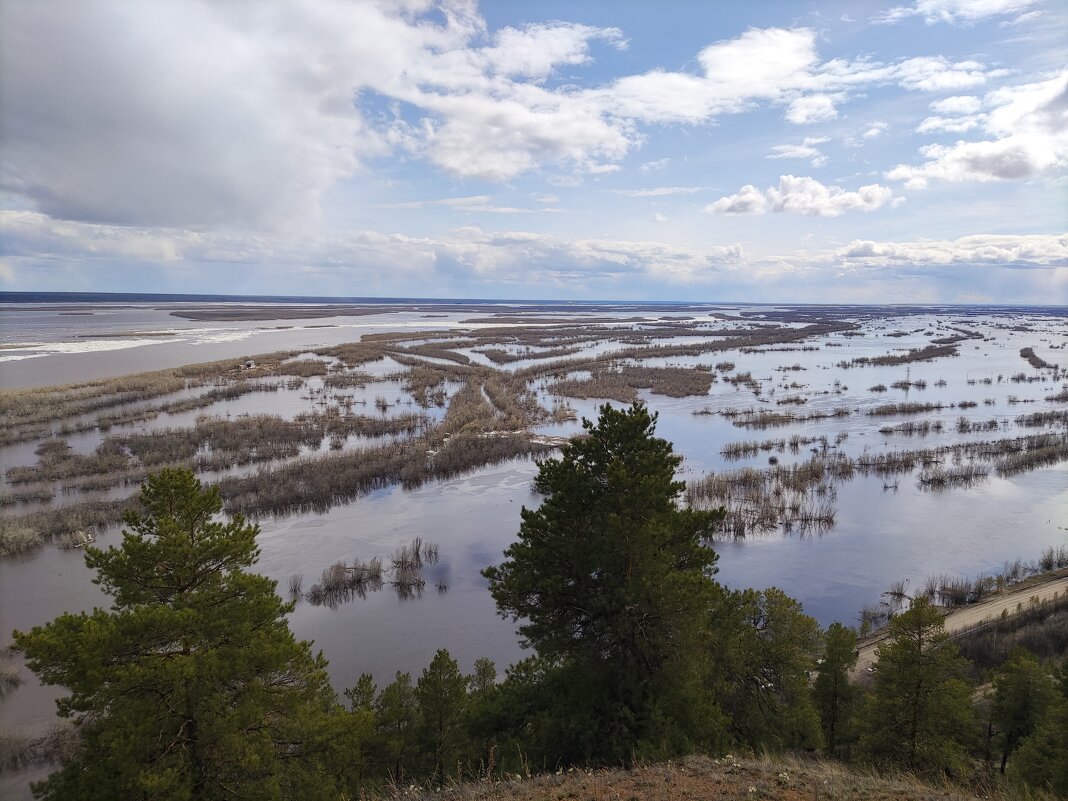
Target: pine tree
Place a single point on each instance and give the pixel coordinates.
(1023, 691)
(1042, 758)
(396, 725)
(920, 713)
(768, 648)
(191, 686)
(833, 692)
(442, 695)
(613, 585)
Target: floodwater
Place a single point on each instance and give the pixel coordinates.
(882, 533)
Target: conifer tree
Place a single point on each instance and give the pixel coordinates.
(920, 713)
(834, 694)
(191, 686)
(442, 695)
(1023, 692)
(613, 585)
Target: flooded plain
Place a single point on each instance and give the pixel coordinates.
(784, 386)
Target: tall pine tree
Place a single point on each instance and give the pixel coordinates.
(613, 585)
(191, 686)
(920, 714)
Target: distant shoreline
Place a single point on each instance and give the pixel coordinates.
(7, 297)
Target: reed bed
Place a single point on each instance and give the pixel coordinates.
(966, 426)
(21, 752)
(738, 450)
(912, 407)
(759, 418)
(924, 354)
(798, 497)
(1035, 360)
(907, 384)
(500, 356)
(622, 384)
(964, 475)
(1024, 461)
(1038, 419)
(26, 532)
(342, 582)
(914, 428)
(211, 444)
(39, 405)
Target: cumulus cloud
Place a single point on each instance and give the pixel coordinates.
(1034, 250)
(804, 195)
(1027, 127)
(661, 191)
(949, 124)
(472, 203)
(875, 130)
(659, 164)
(805, 150)
(528, 264)
(505, 256)
(748, 200)
(958, 104)
(938, 74)
(198, 113)
(811, 108)
(954, 11)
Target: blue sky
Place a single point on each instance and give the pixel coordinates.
(820, 152)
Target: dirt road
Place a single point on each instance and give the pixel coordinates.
(969, 616)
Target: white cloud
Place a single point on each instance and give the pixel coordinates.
(953, 11)
(174, 114)
(875, 130)
(470, 203)
(197, 113)
(811, 108)
(802, 151)
(1028, 136)
(661, 191)
(949, 124)
(534, 51)
(509, 256)
(958, 104)
(531, 263)
(659, 164)
(748, 200)
(1034, 250)
(938, 74)
(659, 218)
(804, 195)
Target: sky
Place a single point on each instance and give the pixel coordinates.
(846, 152)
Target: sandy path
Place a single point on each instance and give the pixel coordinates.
(969, 616)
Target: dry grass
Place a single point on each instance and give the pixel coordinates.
(924, 354)
(730, 778)
(623, 384)
(1035, 360)
(888, 409)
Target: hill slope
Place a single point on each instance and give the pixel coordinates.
(779, 778)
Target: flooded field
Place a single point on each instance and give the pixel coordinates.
(853, 447)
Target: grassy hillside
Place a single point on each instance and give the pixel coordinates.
(781, 778)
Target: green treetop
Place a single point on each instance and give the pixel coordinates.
(920, 714)
(613, 584)
(834, 694)
(191, 686)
